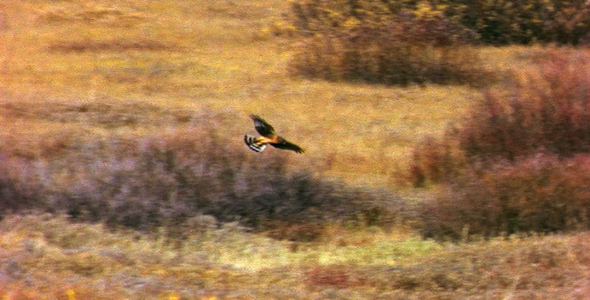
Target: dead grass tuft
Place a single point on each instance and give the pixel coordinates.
(91, 14)
(116, 45)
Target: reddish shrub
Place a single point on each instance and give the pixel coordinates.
(336, 276)
(542, 110)
(542, 194)
(547, 109)
(434, 161)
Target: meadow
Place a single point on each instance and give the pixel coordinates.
(114, 113)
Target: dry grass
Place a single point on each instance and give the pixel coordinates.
(215, 60)
(89, 262)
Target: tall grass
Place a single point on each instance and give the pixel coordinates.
(89, 261)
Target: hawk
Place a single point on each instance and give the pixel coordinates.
(268, 137)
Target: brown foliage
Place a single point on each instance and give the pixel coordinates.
(435, 161)
(112, 45)
(515, 22)
(378, 44)
(546, 110)
(542, 110)
(518, 161)
(537, 194)
(335, 276)
(165, 179)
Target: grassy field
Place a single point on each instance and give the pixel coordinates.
(80, 70)
(46, 257)
(160, 65)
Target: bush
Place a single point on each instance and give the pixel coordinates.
(540, 194)
(434, 161)
(165, 179)
(376, 43)
(543, 110)
(518, 161)
(517, 22)
(547, 111)
(495, 22)
(316, 16)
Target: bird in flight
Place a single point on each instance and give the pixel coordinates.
(268, 137)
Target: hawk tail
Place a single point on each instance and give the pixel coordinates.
(252, 144)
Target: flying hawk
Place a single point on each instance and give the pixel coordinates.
(268, 137)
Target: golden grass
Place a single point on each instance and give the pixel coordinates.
(187, 57)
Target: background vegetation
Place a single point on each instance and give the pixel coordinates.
(402, 42)
(514, 22)
(522, 151)
(123, 174)
(382, 42)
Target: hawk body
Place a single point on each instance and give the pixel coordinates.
(268, 137)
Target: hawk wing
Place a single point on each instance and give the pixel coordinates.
(286, 145)
(263, 127)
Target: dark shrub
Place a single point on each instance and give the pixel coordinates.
(376, 43)
(165, 179)
(524, 22)
(495, 22)
(540, 194)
